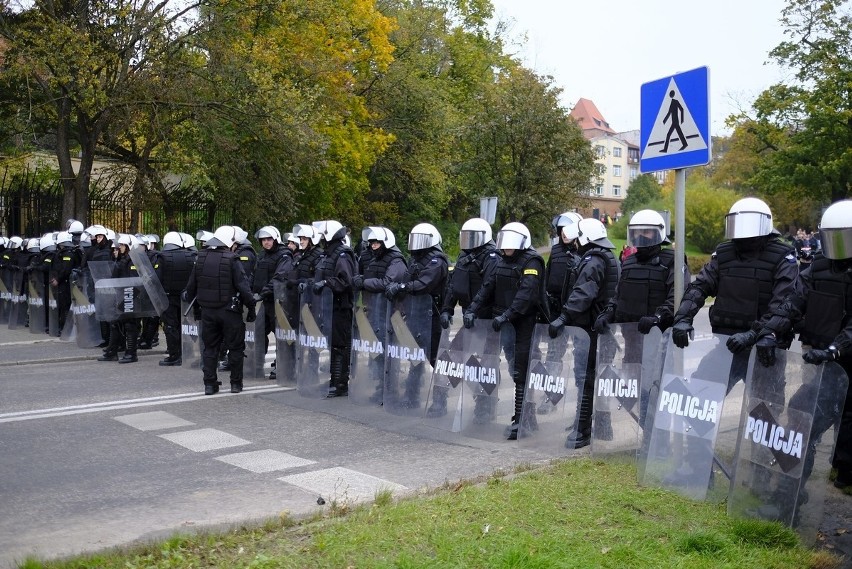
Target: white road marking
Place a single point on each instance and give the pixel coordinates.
(342, 485)
(200, 440)
(267, 460)
(153, 421)
(127, 404)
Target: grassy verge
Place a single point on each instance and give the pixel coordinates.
(574, 513)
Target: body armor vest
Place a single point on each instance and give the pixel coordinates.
(176, 267)
(417, 265)
(213, 277)
(124, 268)
(468, 274)
(561, 262)
(265, 268)
(606, 290)
(507, 277)
(829, 304)
(306, 265)
(378, 266)
(642, 286)
(745, 286)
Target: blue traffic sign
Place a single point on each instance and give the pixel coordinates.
(675, 122)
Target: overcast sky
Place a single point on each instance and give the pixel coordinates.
(604, 51)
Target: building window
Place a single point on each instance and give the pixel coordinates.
(616, 191)
(599, 190)
(616, 171)
(600, 151)
(616, 152)
(601, 169)
(634, 173)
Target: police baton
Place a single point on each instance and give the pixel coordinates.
(188, 308)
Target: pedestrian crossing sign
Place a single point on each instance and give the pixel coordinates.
(675, 122)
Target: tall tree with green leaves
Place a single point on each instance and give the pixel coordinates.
(642, 191)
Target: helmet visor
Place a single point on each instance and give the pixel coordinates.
(511, 240)
(644, 235)
(417, 241)
(836, 243)
(471, 239)
(745, 224)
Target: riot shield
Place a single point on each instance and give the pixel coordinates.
(444, 401)
(18, 308)
(369, 338)
(5, 295)
(557, 376)
(121, 299)
(407, 367)
(99, 270)
(88, 330)
(286, 338)
(36, 304)
(627, 364)
(313, 353)
(52, 312)
(152, 284)
(255, 357)
(790, 418)
(691, 425)
(190, 335)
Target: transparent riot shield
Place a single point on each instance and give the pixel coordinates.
(556, 378)
(369, 338)
(628, 363)
(122, 298)
(314, 349)
(5, 295)
(190, 335)
(407, 367)
(52, 311)
(692, 425)
(286, 338)
(156, 293)
(790, 418)
(36, 304)
(99, 270)
(443, 409)
(255, 356)
(88, 330)
(18, 308)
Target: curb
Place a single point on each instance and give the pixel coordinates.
(74, 359)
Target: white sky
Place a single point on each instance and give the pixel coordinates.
(605, 50)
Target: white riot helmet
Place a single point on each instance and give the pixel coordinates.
(203, 235)
(75, 227)
(646, 229)
(515, 236)
(94, 230)
(33, 245)
(305, 230)
(131, 241)
(423, 236)
(142, 239)
(474, 233)
(188, 240)
(172, 240)
(291, 238)
(593, 231)
(224, 236)
(153, 239)
(748, 217)
(15, 242)
(378, 233)
(835, 231)
(110, 234)
(240, 235)
(64, 239)
(47, 242)
(269, 231)
(566, 225)
(330, 229)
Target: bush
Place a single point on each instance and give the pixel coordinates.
(706, 208)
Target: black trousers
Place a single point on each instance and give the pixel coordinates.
(171, 326)
(222, 329)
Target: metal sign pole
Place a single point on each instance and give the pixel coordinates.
(680, 234)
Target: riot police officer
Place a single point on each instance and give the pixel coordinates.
(177, 260)
(514, 293)
(476, 262)
(590, 287)
(219, 285)
(67, 259)
(335, 270)
(275, 258)
(125, 328)
(99, 251)
(242, 247)
(149, 337)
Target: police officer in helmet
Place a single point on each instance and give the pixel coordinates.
(177, 260)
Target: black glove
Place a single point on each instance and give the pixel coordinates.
(358, 282)
(646, 323)
(556, 327)
(741, 341)
(318, 286)
(468, 318)
(304, 286)
(184, 296)
(498, 322)
(766, 350)
(251, 316)
(446, 320)
(681, 333)
(603, 321)
(196, 312)
(394, 289)
(817, 357)
(257, 298)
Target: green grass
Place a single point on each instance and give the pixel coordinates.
(575, 513)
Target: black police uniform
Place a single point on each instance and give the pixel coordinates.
(473, 268)
(173, 270)
(302, 271)
(276, 260)
(124, 329)
(335, 270)
(220, 287)
(98, 252)
(248, 260)
(514, 293)
(65, 261)
(149, 337)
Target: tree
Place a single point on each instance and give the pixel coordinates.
(642, 191)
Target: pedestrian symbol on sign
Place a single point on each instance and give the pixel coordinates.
(674, 124)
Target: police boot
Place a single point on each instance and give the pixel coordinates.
(483, 408)
(580, 434)
(603, 425)
(104, 334)
(511, 432)
(336, 368)
(438, 408)
(111, 351)
(411, 398)
(376, 370)
(212, 388)
(236, 386)
(130, 353)
(343, 382)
